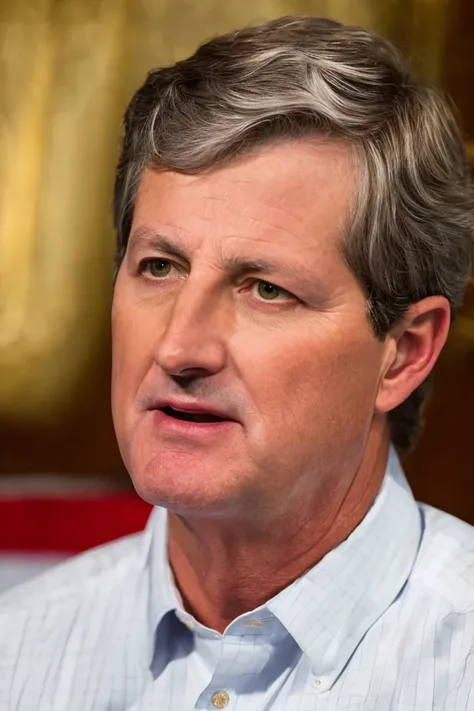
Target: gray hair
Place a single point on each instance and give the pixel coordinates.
(410, 233)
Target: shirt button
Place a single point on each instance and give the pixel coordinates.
(220, 699)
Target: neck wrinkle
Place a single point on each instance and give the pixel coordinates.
(221, 577)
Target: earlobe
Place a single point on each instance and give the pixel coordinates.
(413, 348)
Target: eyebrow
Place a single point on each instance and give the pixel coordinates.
(144, 238)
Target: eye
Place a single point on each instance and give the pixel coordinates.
(270, 292)
(157, 268)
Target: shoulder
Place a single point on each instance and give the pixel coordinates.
(70, 618)
(445, 572)
(445, 562)
(70, 596)
(77, 577)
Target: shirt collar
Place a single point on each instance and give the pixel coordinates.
(163, 596)
(329, 609)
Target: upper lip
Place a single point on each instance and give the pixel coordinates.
(192, 407)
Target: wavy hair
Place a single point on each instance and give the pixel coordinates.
(410, 232)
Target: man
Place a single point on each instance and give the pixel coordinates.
(294, 223)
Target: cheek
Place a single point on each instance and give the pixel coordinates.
(132, 353)
(330, 382)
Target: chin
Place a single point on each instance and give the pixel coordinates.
(184, 487)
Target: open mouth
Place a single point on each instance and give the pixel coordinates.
(191, 416)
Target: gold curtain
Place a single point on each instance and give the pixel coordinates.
(67, 69)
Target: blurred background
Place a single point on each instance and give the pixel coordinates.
(67, 71)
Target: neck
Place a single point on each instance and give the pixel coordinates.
(223, 569)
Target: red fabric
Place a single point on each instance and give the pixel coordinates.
(68, 525)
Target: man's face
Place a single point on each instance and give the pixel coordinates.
(244, 368)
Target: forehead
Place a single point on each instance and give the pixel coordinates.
(284, 191)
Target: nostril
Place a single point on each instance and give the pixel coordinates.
(185, 379)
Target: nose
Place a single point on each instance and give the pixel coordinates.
(192, 343)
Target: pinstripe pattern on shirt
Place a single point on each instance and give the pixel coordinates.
(385, 622)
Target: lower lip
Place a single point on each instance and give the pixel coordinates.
(187, 427)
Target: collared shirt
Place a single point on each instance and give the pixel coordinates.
(384, 622)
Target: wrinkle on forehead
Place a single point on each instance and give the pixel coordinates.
(295, 192)
(270, 171)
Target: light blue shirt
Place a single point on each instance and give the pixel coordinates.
(385, 622)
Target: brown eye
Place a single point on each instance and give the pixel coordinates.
(267, 291)
(158, 267)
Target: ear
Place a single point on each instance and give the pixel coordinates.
(412, 349)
